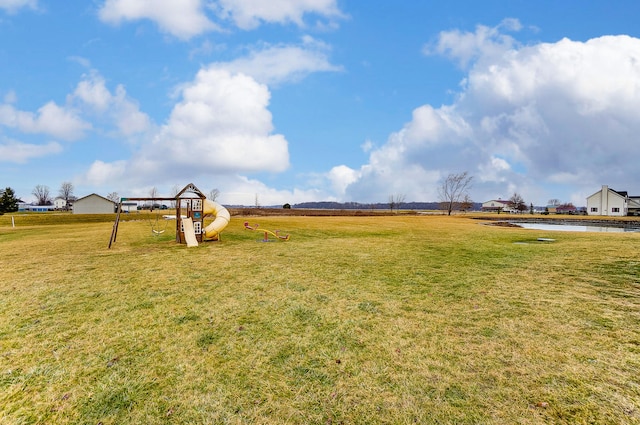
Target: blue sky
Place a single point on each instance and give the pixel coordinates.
(318, 100)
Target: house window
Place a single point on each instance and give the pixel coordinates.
(615, 210)
(594, 209)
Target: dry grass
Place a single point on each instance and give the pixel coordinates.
(354, 320)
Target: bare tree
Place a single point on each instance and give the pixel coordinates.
(466, 203)
(213, 194)
(174, 194)
(153, 193)
(516, 202)
(554, 202)
(113, 196)
(453, 189)
(395, 201)
(41, 192)
(66, 193)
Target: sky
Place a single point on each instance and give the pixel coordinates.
(291, 101)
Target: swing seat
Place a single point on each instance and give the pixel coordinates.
(157, 228)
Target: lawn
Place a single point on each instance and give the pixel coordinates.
(355, 320)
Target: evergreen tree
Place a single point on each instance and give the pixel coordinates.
(8, 201)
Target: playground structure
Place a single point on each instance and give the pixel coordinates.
(192, 206)
(276, 234)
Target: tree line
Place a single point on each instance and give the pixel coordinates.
(9, 201)
(43, 196)
(453, 194)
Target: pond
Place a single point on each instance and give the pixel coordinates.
(576, 227)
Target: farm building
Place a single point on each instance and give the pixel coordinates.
(93, 204)
(128, 207)
(564, 209)
(35, 208)
(611, 202)
(495, 205)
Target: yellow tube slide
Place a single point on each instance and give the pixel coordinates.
(222, 217)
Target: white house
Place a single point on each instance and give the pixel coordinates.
(93, 204)
(496, 205)
(611, 202)
(59, 203)
(128, 207)
(634, 205)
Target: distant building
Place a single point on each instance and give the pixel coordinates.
(129, 207)
(496, 205)
(565, 209)
(59, 203)
(93, 204)
(611, 202)
(34, 208)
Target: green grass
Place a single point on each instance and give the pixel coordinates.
(355, 320)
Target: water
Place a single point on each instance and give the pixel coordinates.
(575, 227)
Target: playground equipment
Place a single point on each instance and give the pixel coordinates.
(266, 233)
(191, 209)
(222, 218)
(158, 224)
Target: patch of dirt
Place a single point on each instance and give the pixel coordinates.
(503, 224)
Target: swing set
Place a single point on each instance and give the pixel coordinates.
(190, 213)
(157, 228)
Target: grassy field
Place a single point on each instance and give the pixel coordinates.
(355, 320)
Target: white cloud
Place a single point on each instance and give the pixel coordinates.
(220, 126)
(13, 6)
(465, 47)
(527, 117)
(51, 119)
(13, 151)
(100, 171)
(206, 48)
(278, 64)
(182, 18)
(188, 18)
(123, 111)
(240, 190)
(367, 146)
(248, 14)
(93, 92)
(69, 122)
(341, 177)
(128, 117)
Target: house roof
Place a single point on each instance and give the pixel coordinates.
(622, 193)
(94, 194)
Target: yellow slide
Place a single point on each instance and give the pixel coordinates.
(222, 217)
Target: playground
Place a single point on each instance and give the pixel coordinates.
(192, 207)
(407, 319)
